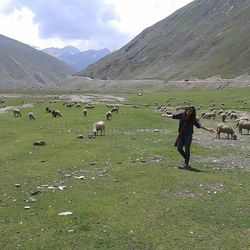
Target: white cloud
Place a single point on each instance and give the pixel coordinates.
(3, 4)
(19, 25)
(86, 24)
(136, 15)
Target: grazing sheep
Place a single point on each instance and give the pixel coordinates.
(99, 126)
(78, 105)
(110, 106)
(85, 112)
(210, 115)
(108, 115)
(223, 128)
(56, 113)
(80, 137)
(223, 117)
(39, 143)
(243, 124)
(233, 116)
(203, 114)
(220, 111)
(17, 113)
(31, 116)
(89, 106)
(70, 105)
(115, 109)
(245, 118)
(48, 110)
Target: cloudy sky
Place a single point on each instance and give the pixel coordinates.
(86, 24)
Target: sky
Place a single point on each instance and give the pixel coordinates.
(85, 24)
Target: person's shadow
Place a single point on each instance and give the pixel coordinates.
(191, 169)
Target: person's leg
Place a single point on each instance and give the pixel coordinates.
(187, 143)
(180, 145)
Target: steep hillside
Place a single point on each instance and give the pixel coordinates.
(203, 39)
(24, 66)
(77, 59)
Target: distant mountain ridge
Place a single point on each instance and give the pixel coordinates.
(203, 39)
(75, 58)
(22, 66)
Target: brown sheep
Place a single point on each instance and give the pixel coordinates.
(223, 128)
(233, 116)
(223, 117)
(243, 124)
(210, 115)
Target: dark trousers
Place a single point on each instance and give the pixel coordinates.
(185, 141)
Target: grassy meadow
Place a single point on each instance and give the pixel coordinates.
(124, 189)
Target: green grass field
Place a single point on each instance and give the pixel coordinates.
(132, 195)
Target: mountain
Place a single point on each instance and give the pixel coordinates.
(77, 59)
(203, 39)
(61, 53)
(23, 66)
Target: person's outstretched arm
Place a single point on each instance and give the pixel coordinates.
(208, 129)
(166, 115)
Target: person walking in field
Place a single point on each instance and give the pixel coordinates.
(187, 120)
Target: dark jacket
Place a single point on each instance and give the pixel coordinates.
(188, 129)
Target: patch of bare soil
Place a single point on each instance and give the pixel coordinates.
(235, 154)
(6, 109)
(95, 98)
(215, 82)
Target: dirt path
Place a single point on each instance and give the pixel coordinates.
(6, 109)
(228, 154)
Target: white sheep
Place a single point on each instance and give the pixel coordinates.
(89, 106)
(99, 126)
(233, 116)
(85, 112)
(17, 112)
(108, 115)
(115, 109)
(31, 116)
(243, 124)
(203, 114)
(223, 128)
(220, 111)
(56, 113)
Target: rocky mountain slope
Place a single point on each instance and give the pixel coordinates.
(22, 66)
(203, 39)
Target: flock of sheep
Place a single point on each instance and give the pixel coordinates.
(242, 122)
(97, 126)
